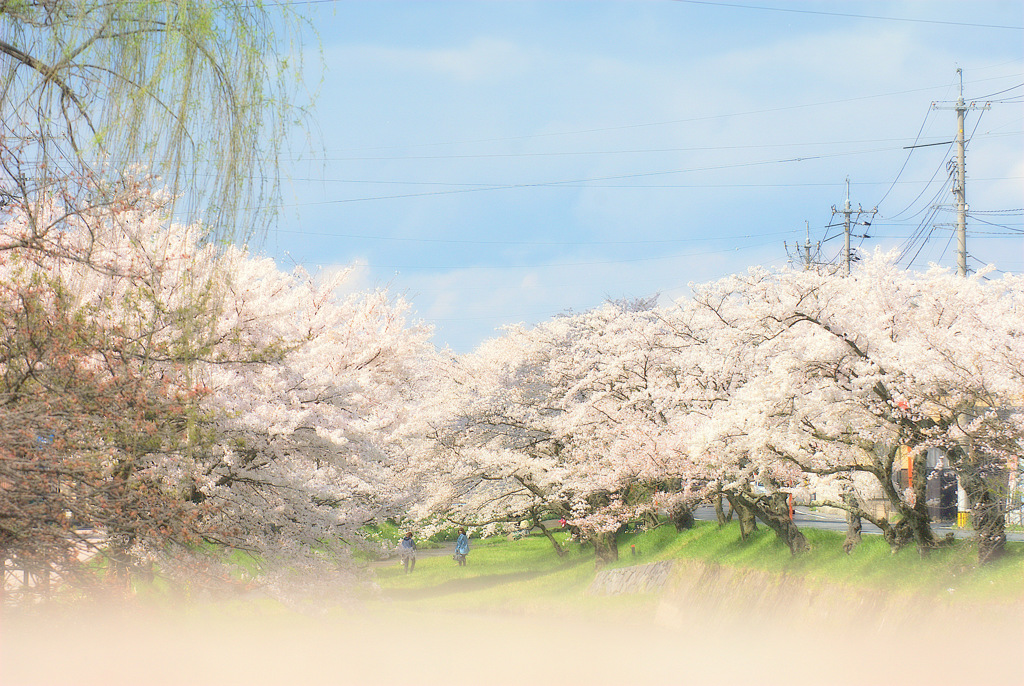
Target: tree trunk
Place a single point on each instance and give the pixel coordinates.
(118, 575)
(652, 519)
(987, 517)
(681, 517)
(910, 526)
(917, 516)
(119, 578)
(606, 548)
(920, 530)
(773, 510)
(723, 518)
(4, 553)
(745, 514)
(853, 523)
(896, 535)
(559, 550)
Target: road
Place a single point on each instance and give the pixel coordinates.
(806, 519)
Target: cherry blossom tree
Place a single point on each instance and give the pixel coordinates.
(85, 411)
(847, 374)
(709, 362)
(231, 403)
(495, 451)
(568, 420)
(763, 387)
(312, 433)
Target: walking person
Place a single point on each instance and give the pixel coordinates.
(407, 549)
(461, 547)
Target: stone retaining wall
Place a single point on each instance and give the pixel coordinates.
(694, 592)
(639, 579)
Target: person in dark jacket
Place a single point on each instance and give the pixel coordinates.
(407, 549)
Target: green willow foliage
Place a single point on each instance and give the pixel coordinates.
(193, 92)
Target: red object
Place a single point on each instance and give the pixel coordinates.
(910, 478)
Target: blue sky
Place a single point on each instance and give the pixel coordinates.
(503, 162)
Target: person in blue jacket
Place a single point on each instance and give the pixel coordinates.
(461, 548)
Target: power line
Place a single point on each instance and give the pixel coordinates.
(1006, 90)
(582, 184)
(579, 153)
(686, 120)
(1001, 226)
(918, 237)
(562, 265)
(942, 163)
(544, 184)
(949, 241)
(640, 151)
(461, 241)
(851, 15)
(913, 146)
(635, 186)
(1010, 232)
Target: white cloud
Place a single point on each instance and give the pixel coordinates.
(481, 59)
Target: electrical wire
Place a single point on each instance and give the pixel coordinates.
(986, 264)
(923, 242)
(895, 216)
(562, 265)
(913, 147)
(548, 184)
(461, 241)
(715, 3)
(667, 122)
(1016, 210)
(818, 184)
(942, 164)
(577, 153)
(1001, 226)
(918, 237)
(1007, 90)
(949, 242)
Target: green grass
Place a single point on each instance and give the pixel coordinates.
(526, 573)
(871, 564)
(500, 575)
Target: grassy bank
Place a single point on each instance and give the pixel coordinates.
(527, 572)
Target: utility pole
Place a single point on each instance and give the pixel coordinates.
(961, 173)
(847, 211)
(803, 254)
(959, 190)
